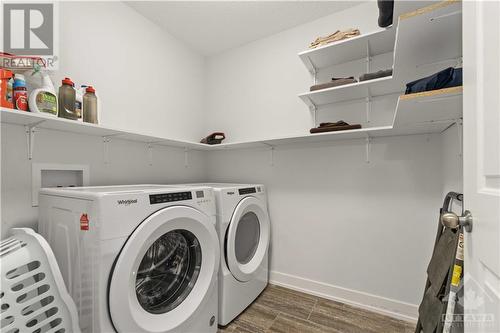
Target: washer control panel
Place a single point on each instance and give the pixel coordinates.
(169, 197)
(248, 190)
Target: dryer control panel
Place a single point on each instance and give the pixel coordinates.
(169, 197)
(248, 190)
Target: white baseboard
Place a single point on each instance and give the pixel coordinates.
(382, 305)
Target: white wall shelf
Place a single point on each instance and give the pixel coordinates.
(442, 108)
(434, 106)
(353, 91)
(420, 113)
(426, 38)
(41, 121)
(436, 28)
(355, 48)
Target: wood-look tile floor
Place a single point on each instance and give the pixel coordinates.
(281, 310)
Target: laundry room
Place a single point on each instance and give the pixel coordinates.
(250, 166)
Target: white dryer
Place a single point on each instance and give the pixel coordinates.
(243, 226)
(140, 258)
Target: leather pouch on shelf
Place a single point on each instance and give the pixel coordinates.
(214, 138)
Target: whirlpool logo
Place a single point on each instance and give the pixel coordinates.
(127, 202)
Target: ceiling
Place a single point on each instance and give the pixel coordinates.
(211, 27)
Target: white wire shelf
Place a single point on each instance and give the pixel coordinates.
(355, 48)
(41, 121)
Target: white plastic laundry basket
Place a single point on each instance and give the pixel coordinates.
(33, 295)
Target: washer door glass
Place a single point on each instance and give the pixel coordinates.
(247, 237)
(168, 271)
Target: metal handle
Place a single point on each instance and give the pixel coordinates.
(451, 220)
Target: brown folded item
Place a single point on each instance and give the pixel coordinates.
(376, 75)
(331, 127)
(335, 37)
(334, 83)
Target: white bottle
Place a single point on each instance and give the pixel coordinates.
(44, 99)
(79, 101)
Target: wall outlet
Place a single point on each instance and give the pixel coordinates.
(56, 175)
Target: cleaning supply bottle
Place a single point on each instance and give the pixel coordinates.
(44, 99)
(67, 97)
(79, 101)
(20, 93)
(6, 88)
(90, 106)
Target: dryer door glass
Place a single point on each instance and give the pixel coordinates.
(168, 271)
(247, 237)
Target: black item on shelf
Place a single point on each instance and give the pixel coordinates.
(214, 138)
(331, 127)
(449, 77)
(336, 81)
(385, 11)
(376, 75)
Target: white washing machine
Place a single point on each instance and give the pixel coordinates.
(243, 226)
(140, 258)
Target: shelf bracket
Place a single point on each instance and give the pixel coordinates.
(368, 57)
(271, 153)
(150, 153)
(271, 156)
(30, 137)
(186, 157)
(368, 101)
(105, 149)
(313, 70)
(313, 108)
(368, 144)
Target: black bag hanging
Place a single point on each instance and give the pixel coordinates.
(385, 11)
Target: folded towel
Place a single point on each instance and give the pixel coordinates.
(376, 75)
(335, 37)
(334, 83)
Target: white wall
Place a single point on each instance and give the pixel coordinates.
(252, 90)
(343, 229)
(148, 81)
(340, 223)
(128, 164)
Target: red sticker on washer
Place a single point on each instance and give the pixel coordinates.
(84, 222)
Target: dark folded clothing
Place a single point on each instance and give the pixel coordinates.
(430, 310)
(442, 257)
(385, 12)
(376, 75)
(334, 83)
(449, 77)
(330, 127)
